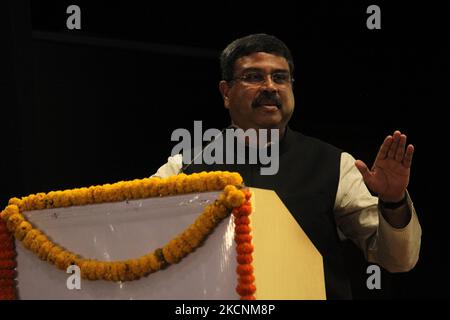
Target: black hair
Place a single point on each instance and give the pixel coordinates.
(247, 45)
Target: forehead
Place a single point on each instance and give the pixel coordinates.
(261, 60)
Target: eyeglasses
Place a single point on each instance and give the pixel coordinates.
(258, 78)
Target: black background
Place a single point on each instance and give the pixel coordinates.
(98, 105)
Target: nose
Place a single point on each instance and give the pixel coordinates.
(269, 85)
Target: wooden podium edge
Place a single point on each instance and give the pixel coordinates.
(287, 266)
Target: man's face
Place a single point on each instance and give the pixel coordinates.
(261, 96)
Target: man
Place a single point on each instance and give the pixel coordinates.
(324, 188)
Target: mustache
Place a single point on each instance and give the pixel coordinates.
(267, 98)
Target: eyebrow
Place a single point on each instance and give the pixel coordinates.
(252, 69)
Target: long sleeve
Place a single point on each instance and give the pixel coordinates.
(359, 218)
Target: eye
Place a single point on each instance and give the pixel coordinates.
(253, 77)
(280, 78)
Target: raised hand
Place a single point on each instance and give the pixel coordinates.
(390, 172)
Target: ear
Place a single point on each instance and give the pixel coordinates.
(224, 90)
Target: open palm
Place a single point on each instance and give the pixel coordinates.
(390, 172)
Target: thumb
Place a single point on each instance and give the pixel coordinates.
(365, 172)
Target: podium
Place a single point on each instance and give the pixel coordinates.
(286, 263)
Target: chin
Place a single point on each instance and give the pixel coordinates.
(269, 123)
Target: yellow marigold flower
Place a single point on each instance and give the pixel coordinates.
(100, 269)
(14, 221)
(37, 242)
(51, 197)
(91, 270)
(121, 271)
(154, 187)
(108, 271)
(187, 185)
(59, 260)
(29, 237)
(190, 239)
(175, 250)
(66, 198)
(154, 262)
(40, 201)
(236, 179)
(168, 256)
(144, 265)
(205, 222)
(58, 200)
(45, 249)
(98, 194)
(146, 188)
(8, 212)
(22, 230)
(205, 230)
(135, 268)
(139, 190)
(196, 233)
(184, 246)
(17, 202)
(90, 195)
(114, 272)
(228, 189)
(221, 211)
(84, 268)
(163, 189)
(68, 259)
(53, 253)
(235, 199)
(180, 183)
(25, 204)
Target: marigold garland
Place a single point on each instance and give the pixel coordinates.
(245, 288)
(232, 199)
(7, 264)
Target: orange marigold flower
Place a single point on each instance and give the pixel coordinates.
(242, 229)
(9, 294)
(7, 254)
(247, 194)
(242, 220)
(6, 244)
(7, 264)
(241, 238)
(235, 212)
(245, 289)
(5, 237)
(244, 269)
(245, 210)
(248, 298)
(244, 248)
(7, 274)
(244, 258)
(247, 279)
(4, 283)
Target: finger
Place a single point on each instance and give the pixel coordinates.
(407, 159)
(365, 172)
(382, 153)
(401, 148)
(395, 140)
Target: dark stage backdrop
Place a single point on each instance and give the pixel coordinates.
(98, 105)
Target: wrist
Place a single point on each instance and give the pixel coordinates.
(391, 204)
